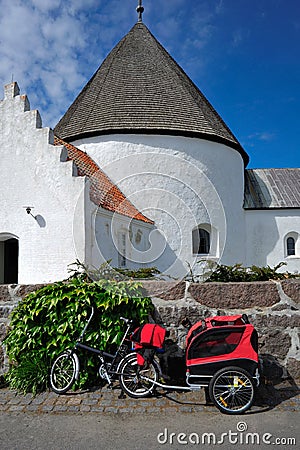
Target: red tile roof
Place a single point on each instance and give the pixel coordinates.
(103, 191)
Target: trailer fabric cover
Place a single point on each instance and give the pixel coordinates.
(147, 338)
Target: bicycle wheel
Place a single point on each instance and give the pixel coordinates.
(130, 377)
(63, 373)
(232, 390)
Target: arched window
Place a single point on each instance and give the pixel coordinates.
(290, 246)
(201, 241)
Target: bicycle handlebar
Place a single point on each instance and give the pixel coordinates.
(126, 320)
(87, 323)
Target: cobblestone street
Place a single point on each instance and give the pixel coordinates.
(104, 400)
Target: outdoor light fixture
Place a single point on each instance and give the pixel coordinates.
(38, 218)
(28, 210)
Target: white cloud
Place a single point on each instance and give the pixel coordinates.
(239, 35)
(44, 45)
(52, 47)
(46, 5)
(219, 7)
(265, 136)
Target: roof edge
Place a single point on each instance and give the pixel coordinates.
(270, 208)
(91, 170)
(155, 131)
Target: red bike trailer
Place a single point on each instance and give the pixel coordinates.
(221, 355)
(219, 342)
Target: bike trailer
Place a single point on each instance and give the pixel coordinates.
(219, 342)
(221, 356)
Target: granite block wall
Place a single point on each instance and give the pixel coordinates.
(273, 307)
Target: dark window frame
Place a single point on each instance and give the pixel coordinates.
(201, 241)
(290, 246)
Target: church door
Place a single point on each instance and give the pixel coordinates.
(9, 255)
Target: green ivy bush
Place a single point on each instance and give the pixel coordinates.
(49, 320)
(238, 273)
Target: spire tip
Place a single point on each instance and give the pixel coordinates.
(140, 9)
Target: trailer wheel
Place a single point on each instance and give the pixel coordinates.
(231, 389)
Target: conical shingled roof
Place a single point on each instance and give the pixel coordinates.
(139, 88)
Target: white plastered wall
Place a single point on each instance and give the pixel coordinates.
(106, 240)
(34, 174)
(266, 238)
(179, 183)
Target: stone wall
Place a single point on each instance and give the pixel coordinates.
(273, 308)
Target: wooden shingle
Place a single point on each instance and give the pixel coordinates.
(139, 88)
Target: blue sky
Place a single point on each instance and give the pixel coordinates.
(244, 55)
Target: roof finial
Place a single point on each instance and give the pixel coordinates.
(140, 10)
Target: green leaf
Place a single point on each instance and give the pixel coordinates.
(49, 320)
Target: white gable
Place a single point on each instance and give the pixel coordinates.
(34, 175)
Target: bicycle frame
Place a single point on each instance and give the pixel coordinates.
(190, 387)
(109, 363)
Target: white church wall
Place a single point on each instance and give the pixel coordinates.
(118, 239)
(266, 238)
(179, 183)
(33, 174)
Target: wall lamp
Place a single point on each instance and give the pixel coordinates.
(38, 218)
(28, 210)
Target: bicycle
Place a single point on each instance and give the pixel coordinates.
(65, 369)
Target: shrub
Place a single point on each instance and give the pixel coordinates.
(106, 271)
(142, 273)
(238, 273)
(49, 320)
(30, 375)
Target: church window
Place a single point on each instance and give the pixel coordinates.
(290, 246)
(122, 250)
(201, 241)
(138, 236)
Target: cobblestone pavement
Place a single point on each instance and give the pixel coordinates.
(103, 400)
